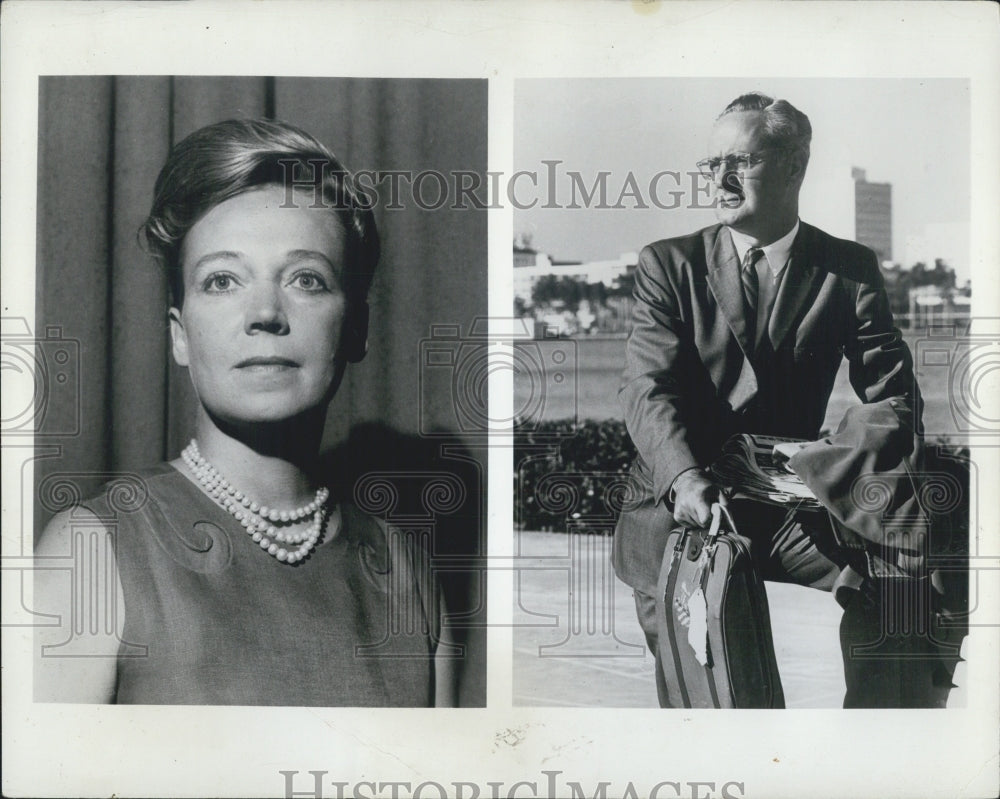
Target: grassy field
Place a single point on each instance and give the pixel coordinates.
(589, 370)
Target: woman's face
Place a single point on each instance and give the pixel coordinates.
(263, 306)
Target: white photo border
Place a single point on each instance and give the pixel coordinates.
(73, 750)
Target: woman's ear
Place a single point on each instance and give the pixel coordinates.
(354, 343)
(178, 338)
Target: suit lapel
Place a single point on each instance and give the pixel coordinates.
(724, 280)
(801, 275)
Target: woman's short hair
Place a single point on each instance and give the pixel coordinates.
(221, 161)
(784, 124)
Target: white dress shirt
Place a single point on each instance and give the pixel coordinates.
(770, 270)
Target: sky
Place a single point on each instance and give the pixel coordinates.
(911, 133)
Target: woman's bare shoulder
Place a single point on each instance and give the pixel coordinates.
(56, 538)
(74, 558)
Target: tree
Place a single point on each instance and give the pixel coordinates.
(597, 293)
(624, 285)
(551, 289)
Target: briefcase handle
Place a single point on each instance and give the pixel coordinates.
(707, 552)
(718, 511)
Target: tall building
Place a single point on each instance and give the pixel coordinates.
(873, 214)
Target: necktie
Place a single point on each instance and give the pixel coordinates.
(751, 288)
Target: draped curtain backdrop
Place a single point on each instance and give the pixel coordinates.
(102, 141)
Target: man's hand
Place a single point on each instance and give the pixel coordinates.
(694, 493)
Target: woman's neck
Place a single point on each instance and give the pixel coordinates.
(271, 463)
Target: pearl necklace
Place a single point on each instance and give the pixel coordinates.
(260, 521)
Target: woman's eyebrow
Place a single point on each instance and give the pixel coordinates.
(290, 257)
(299, 255)
(225, 255)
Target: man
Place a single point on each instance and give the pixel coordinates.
(741, 327)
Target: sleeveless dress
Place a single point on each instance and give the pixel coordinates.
(212, 619)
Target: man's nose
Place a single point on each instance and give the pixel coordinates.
(727, 179)
(266, 311)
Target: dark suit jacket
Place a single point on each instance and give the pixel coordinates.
(690, 382)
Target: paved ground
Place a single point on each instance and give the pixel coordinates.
(579, 645)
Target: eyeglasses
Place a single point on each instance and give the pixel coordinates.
(734, 162)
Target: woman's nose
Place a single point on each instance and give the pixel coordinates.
(266, 312)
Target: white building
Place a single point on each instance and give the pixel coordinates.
(530, 266)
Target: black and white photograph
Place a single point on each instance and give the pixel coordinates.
(388, 413)
(759, 401)
(231, 449)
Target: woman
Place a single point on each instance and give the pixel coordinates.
(240, 580)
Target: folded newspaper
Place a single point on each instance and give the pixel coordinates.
(757, 466)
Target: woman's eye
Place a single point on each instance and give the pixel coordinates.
(219, 283)
(309, 281)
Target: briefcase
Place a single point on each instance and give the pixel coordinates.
(714, 627)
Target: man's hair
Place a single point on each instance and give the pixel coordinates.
(221, 161)
(784, 124)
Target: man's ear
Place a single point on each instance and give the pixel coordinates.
(178, 338)
(797, 167)
(354, 343)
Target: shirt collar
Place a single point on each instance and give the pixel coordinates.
(776, 252)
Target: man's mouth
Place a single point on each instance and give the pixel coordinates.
(266, 364)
